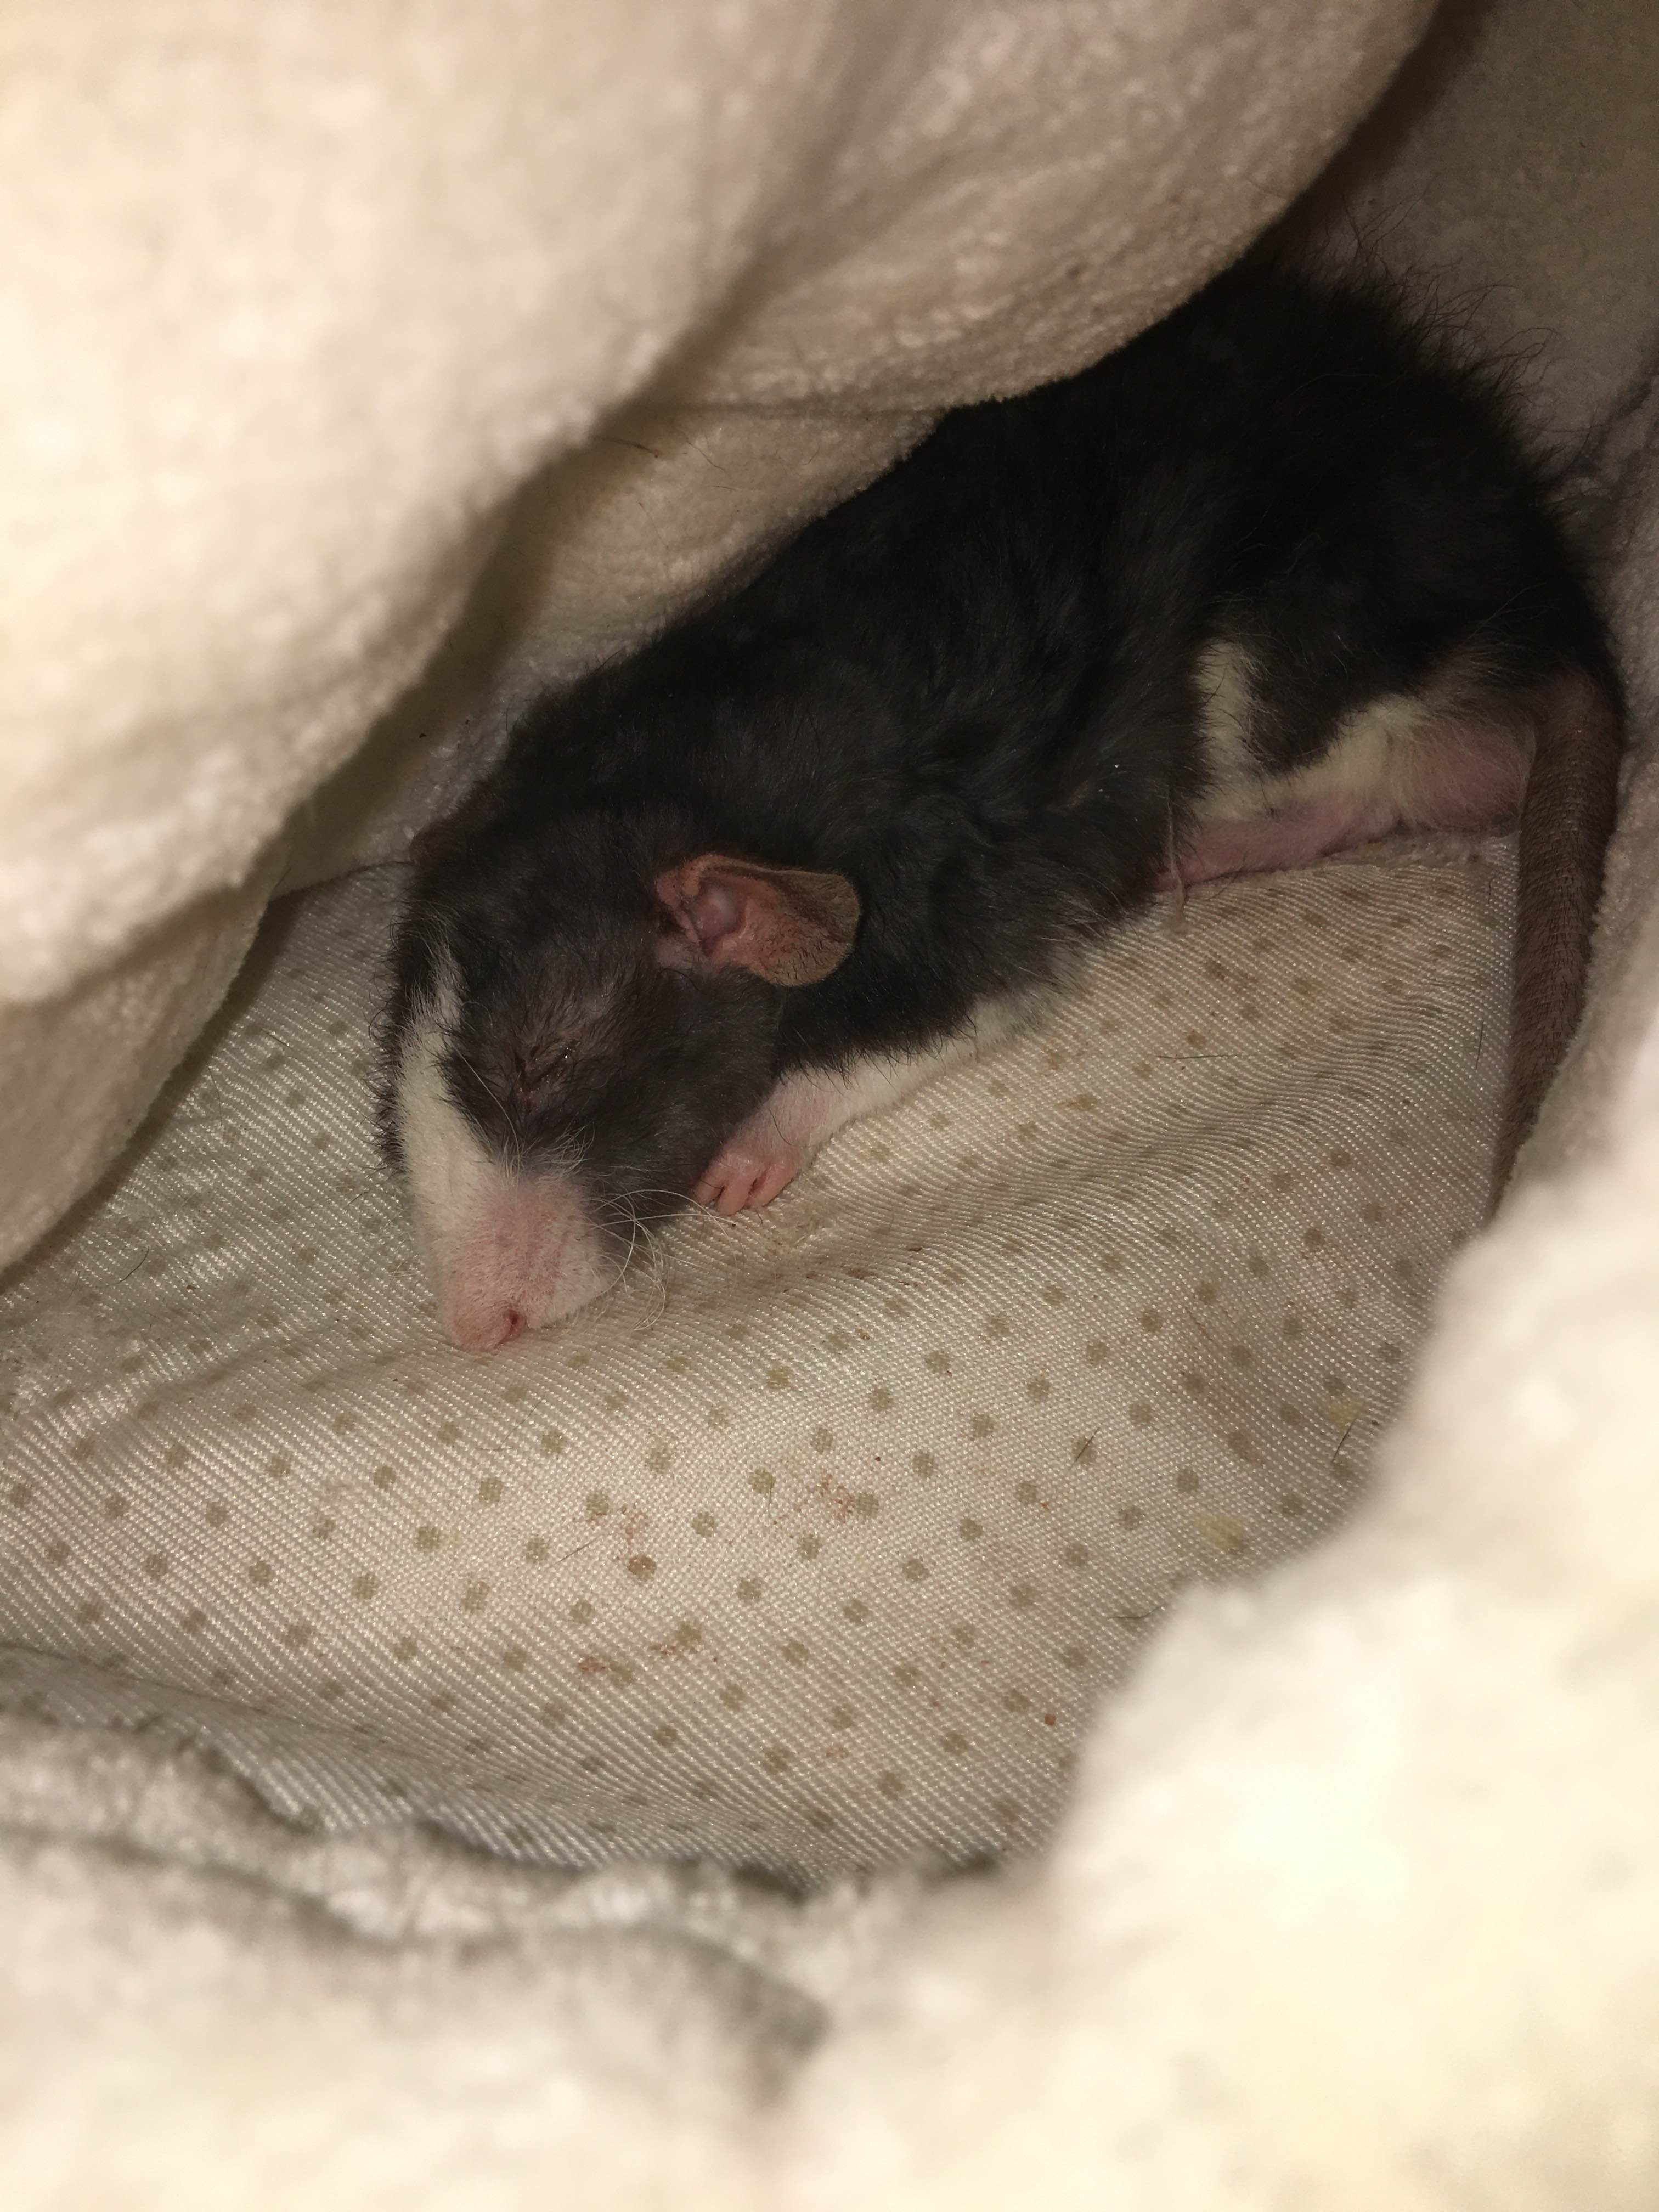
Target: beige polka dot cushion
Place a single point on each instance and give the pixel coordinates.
(817, 1544)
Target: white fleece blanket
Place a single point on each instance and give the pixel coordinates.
(305, 304)
(1353, 1902)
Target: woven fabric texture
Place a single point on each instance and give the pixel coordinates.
(816, 1544)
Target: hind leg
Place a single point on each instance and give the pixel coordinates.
(1293, 839)
(1438, 771)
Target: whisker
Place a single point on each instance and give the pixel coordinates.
(491, 1093)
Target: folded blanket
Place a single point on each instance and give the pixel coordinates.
(305, 304)
(1354, 1902)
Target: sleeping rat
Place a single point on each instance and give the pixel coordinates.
(1273, 580)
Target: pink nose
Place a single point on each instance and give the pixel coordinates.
(484, 1328)
(477, 1321)
(524, 1255)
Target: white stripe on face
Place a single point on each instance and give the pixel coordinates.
(508, 1249)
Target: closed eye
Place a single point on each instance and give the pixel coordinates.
(534, 1068)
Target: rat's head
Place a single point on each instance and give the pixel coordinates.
(583, 1015)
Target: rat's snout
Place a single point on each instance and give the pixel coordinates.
(508, 1249)
(521, 1252)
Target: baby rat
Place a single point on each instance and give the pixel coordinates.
(1274, 580)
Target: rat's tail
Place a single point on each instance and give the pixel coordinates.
(1566, 819)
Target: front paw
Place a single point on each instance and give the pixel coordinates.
(750, 1169)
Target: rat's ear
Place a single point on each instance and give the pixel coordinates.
(787, 926)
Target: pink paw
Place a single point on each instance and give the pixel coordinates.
(749, 1171)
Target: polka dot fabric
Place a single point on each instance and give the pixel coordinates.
(815, 1544)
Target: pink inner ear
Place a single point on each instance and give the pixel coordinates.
(730, 919)
(713, 913)
(787, 926)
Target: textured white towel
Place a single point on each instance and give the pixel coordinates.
(1354, 1904)
(302, 306)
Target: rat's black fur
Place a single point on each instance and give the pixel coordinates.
(971, 690)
